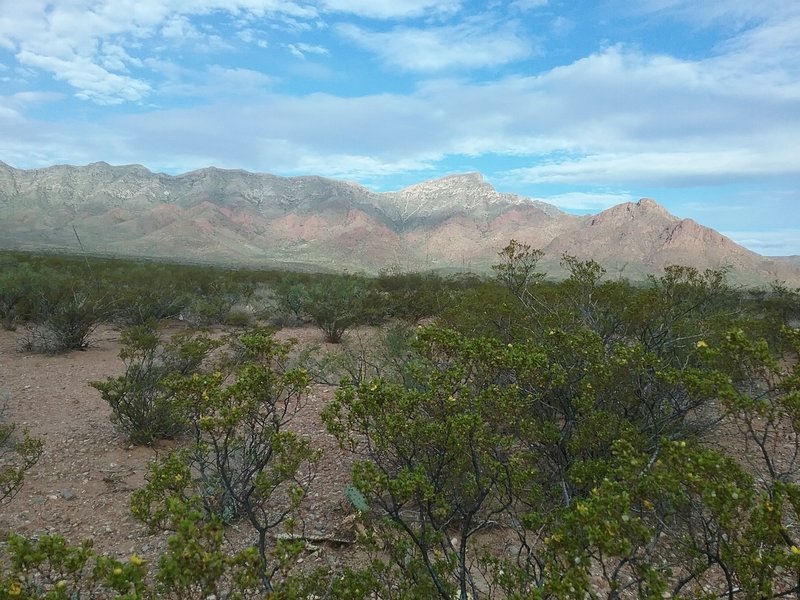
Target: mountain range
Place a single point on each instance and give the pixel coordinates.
(237, 217)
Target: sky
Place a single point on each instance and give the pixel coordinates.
(583, 104)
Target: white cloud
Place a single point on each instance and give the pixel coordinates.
(7, 113)
(301, 50)
(215, 81)
(34, 97)
(93, 44)
(393, 9)
(665, 167)
(776, 242)
(252, 36)
(91, 81)
(475, 43)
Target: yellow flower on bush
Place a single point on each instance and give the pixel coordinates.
(14, 589)
(702, 344)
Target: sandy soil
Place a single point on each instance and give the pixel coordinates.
(81, 486)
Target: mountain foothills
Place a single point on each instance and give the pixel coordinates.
(233, 216)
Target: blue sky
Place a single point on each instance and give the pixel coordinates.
(695, 103)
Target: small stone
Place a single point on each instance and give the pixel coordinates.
(39, 499)
(67, 494)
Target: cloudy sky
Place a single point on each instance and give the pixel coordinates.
(580, 103)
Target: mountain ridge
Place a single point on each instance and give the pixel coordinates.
(458, 221)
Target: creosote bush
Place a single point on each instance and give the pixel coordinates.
(336, 305)
(243, 462)
(142, 405)
(65, 319)
(19, 451)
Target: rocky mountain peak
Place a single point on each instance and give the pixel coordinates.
(467, 192)
(651, 205)
(449, 184)
(645, 209)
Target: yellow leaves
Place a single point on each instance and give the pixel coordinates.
(14, 589)
(702, 344)
(117, 571)
(795, 550)
(136, 560)
(648, 505)
(555, 538)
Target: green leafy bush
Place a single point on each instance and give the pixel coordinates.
(384, 353)
(66, 319)
(336, 305)
(243, 461)
(142, 405)
(18, 453)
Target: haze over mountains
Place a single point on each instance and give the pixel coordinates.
(232, 216)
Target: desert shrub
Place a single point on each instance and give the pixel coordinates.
(198, 563)
(336, 305)
(18, 453)
(138, 304)
(203, 311)
(48, 567)
(65, 318)
(385, 353)
(19, 286)
(412, 296)
(290, 298)
(240, 316)
(142, 405)
(243, 461)
(436, 467)
(587, 465)
(486, 309)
